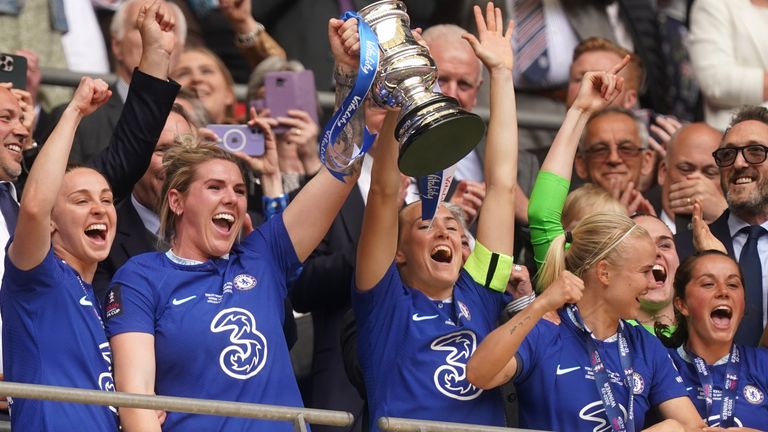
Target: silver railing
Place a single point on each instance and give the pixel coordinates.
(525, 118)
(392, 424)
(298, 416)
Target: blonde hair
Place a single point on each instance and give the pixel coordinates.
(180, 164)
(600, 236)
(589, 199)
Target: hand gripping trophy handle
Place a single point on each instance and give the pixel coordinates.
(433, 131)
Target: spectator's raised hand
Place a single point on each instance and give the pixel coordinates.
(303, 132)
(469, 195)
(599, 89)
(89, 96)
(494, 46)
(703, 239)
(156, 25)
(266, 165)
(663, 127)
(238, 13)
(631, 198)
(345, 43)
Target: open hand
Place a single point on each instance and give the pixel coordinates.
(599, 89)
(703, 239)
(494, 47)
(664, 127)
(266, 164)
(632, 199)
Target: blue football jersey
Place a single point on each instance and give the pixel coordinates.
(217, 326)
(751, 408)
(556, 385)
(414, 351)
(52, 334)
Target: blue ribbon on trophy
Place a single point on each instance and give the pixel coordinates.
(369, 66)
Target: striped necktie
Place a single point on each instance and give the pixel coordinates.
(531, 60)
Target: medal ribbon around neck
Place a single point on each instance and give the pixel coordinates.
(603, 381)
(338, 162)
(729, 388)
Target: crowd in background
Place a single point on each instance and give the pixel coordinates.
(138, 248)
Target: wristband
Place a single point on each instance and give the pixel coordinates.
(273, 206)
(489, 269)
(247, 40)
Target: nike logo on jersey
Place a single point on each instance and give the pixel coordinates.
(85, 302)
(177, 302)
(417, 317)
(566, 370)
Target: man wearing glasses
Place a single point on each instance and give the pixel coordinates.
(613, 153)
(742, 228)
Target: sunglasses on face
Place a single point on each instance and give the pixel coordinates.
(753, 154)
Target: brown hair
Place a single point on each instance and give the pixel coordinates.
(230, 109)
(180, 164)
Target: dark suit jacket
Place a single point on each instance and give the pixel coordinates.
(324, 289)
(131, 238)
(719, 228)
(95, 131)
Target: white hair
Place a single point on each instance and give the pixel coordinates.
(118, 24)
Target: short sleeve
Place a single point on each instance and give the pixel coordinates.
(35, 280)
(130, 302)
(667, 383)
(274, 235)
(528, 355)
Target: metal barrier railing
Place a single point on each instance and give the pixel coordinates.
(298, 416)
(392, 424)
(529, 119)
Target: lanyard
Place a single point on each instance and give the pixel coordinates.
(729, 388)
(89, 297)
(603, 381)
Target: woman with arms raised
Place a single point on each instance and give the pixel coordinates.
(205, 319)
(420, 314)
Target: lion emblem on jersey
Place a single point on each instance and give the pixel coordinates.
(451, 378)
(247, 354)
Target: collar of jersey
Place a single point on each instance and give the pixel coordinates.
(613, 338)
(184, 261)
(688, 358)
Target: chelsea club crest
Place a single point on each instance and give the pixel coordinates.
(244, 282)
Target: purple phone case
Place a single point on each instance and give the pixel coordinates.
(242, 138)
(286, 90)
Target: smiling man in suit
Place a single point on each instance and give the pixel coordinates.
(742, 228)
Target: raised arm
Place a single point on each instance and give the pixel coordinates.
(150, 99)
(322, 198)
(32, 239)
(597, 90)
(377, 245)
(496, 225)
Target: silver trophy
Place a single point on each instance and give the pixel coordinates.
(433, 131)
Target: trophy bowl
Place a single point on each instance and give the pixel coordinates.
(433, 130)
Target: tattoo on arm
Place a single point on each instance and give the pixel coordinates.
(524, 320)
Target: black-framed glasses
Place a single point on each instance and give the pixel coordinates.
(753, 154)
(602, 151)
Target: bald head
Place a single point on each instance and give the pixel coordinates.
(459, 70)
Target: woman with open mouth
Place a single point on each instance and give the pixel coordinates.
(727, 382)
(53, 333)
